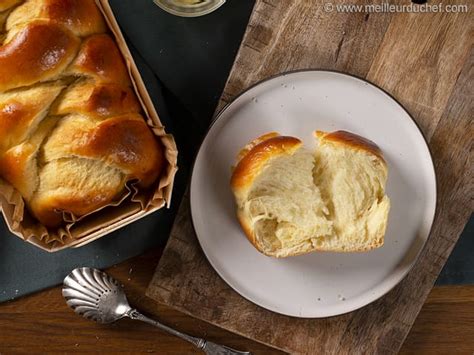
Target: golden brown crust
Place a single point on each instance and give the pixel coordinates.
(124, 142)
(16, 168)
(15, 119)
(21, 111)
(76, 186)
(100, 58)
(49, 208)
(351, 140)
(44, 48)
(251, 165)
(47, 216)
(245, 150)
(98, 100)
(19, 166)
(7, 4)
(82, 17)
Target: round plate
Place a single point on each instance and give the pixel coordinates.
(317, 284)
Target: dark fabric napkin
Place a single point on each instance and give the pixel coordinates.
(185, 63)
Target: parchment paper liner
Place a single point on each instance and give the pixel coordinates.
(129, 207)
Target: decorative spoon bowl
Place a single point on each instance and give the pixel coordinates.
(97, 296)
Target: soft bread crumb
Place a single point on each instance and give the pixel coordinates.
(285, 203)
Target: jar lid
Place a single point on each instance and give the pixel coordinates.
(189, 8)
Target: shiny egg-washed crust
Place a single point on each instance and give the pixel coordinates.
(71, 132)
(98, 100)
(351, 140)
(100, 59)
(7, 4)
(44, 48)
(253, 160)
(83, 18)
(243, 152)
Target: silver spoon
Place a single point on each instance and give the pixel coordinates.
(97, 296)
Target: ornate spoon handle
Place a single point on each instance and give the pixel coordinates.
(208, 347)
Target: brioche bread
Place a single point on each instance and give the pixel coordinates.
(292, 201)
(71, 132)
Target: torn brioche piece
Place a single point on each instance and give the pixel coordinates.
(292, 201)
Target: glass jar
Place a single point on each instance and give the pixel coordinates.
(189, 8)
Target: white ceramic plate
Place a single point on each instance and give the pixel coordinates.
(318, 284)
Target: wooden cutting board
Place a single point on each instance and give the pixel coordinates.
(425, 61)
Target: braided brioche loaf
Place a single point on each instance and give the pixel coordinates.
(71, 133)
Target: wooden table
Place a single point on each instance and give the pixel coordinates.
(425, 61)
(43, 323)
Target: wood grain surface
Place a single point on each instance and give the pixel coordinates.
(425, 61)
(42, 323)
